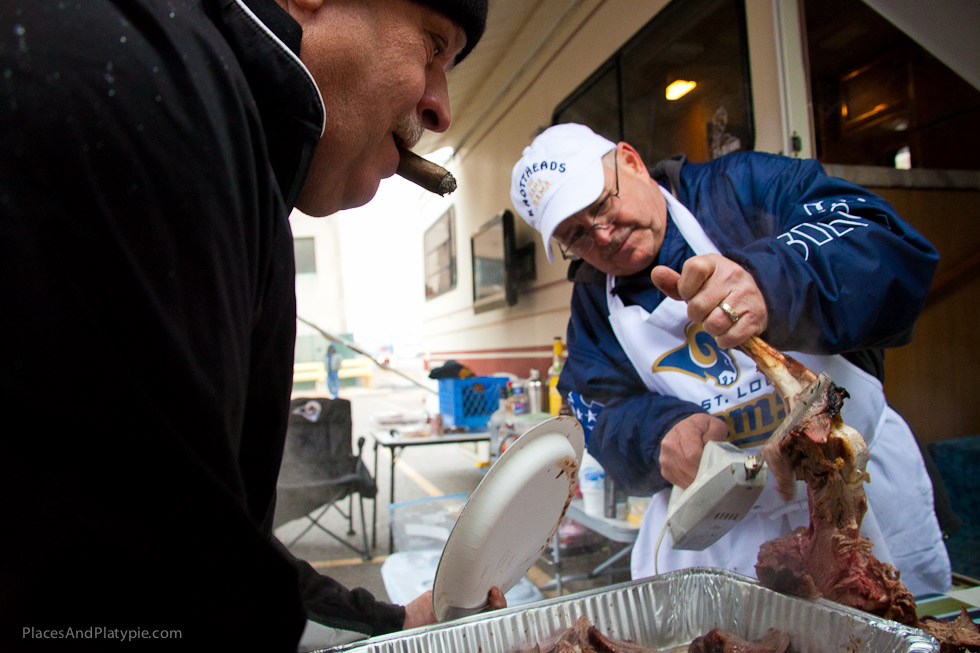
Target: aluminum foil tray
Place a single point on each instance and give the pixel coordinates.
(666, 612)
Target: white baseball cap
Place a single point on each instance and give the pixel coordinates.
(559, 174)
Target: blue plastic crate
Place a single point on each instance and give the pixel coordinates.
(469, 402)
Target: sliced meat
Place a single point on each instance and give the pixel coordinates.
(584, 637)
(718, 640)
(958, 636)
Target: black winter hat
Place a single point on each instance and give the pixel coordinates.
(471, 15)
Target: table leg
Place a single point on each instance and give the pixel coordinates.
(622, 553)
(556, 548)
(391, 487)
(391, 499)
(374, 510)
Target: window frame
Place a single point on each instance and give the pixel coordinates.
(435, 265)
(304, 249)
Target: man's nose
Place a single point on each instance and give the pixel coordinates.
(602, 235)
(434, 105)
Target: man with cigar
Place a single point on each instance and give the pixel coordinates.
(674, 267)
(151, 152)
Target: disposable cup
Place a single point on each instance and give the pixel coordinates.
(593, 500)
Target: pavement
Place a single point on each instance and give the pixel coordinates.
(429, 471)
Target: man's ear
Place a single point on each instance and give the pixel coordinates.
(300, 10)
(630, 159)
(307, 5)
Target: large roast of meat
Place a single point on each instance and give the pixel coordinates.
(830, 558)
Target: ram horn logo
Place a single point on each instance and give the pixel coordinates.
(700, 357)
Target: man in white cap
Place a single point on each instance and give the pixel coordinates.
(676, 266)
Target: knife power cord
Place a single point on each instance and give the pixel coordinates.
(656, 550)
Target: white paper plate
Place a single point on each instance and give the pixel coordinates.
(509, 518)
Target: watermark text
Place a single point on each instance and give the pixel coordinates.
(101, 632)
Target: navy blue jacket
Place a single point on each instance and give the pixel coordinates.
(841, 273)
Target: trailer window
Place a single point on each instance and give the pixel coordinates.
(440, 255)
(699, 41)
(880, 99)
(305, 255)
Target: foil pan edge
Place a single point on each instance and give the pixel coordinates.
(663, 611)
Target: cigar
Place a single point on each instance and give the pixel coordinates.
(433, 178)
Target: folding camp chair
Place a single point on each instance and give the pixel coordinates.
(319, 469)
(958, 463)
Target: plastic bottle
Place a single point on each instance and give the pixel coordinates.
(496, 424)
(508, 435)
(592, 483)
(554, 397)
(518, 400)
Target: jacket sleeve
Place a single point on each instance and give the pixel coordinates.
(840, 271)
(624, 423)
(329, 603)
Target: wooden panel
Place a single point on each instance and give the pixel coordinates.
(933, 381)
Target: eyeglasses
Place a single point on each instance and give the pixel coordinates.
(582, 242)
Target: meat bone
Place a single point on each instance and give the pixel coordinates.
(828, 558)
(812, 405)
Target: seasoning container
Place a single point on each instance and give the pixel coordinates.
(535, 394)
(518, 400)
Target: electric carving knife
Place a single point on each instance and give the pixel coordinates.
(726, 487)
(728, 483)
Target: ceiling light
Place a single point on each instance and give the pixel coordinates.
(679, 88)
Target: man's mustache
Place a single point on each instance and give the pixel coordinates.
(410, 129)
(619, 235)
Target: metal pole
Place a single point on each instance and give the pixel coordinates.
(356, 349)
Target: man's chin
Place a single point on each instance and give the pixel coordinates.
(316, 207)
(321, 204)
(363, 194)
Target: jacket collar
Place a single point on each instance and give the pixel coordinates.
(266, 41)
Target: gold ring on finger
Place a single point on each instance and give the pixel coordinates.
(729, 311)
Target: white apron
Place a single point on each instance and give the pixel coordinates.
(677, 358)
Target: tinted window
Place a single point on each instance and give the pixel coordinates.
(700, 41)
(880, 99)
(440, 255)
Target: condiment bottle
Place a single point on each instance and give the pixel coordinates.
(554, 397)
